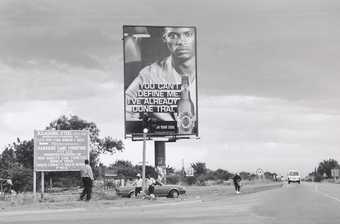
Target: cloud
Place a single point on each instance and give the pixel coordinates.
(49, 31)
(21, 118)
(259, 48)
(51, 81)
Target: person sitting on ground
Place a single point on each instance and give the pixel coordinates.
(150, 183)
(7, 186)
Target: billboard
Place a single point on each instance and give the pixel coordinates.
(160, 80)
(60, 150)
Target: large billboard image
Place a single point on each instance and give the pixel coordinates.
(160, 80)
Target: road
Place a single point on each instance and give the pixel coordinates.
(295, 203)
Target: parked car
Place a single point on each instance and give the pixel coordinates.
(294, 176)
(162, 190)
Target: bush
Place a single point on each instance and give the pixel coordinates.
(190, 180)
(201, 180)
(317, 179)
(22, 179)
(172, 179)
(66, 182)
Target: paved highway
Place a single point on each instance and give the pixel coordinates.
(305, 203)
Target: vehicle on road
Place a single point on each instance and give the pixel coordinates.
(294, 176)
(162, 190)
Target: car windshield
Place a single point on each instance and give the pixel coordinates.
(293, 173)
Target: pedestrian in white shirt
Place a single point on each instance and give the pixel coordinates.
(87, 178)
(138, 185)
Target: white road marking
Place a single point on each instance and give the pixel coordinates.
(325, 194)
(157, 205)
(329, 196)
(28, 212)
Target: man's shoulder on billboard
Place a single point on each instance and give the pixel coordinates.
(157, 69)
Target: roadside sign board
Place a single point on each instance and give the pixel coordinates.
(60, 150)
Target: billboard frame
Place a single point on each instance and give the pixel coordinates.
(51, 170)
(42, 179)
(138, 136)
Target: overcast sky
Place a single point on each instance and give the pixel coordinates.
(268, 76)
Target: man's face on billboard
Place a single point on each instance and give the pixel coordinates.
(180, 42)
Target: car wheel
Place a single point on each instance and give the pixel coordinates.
(173, 194)
(131, 194)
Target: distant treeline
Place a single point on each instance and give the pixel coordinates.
(16, 162)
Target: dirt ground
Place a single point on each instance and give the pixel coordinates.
(108, 198)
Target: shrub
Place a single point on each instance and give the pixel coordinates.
(172, 179)
(201, 180)
(22, 179)
(317, 178)
(190, 180)
(66, 182)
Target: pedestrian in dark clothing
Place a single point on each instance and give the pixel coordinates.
(237, 180)
(87, 178)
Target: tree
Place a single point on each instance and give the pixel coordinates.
(221, 174)
(199, 168)
(98, 145)
(149, 170)
(16, 160)
(124, 169)
(245, 175)
(326, 166)
(21, 177)
(24, 152)
(8, 158)
(269, 175)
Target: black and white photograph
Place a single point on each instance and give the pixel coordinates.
(181, 111)
(163, 93)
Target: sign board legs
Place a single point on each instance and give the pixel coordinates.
(34, 184)
(42, 184)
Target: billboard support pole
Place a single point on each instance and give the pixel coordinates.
(34, 184)
(145, 131)
(160, 158)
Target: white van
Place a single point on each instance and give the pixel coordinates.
(294, 176)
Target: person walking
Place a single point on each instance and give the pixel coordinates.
(87, 178)
(237, 180)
